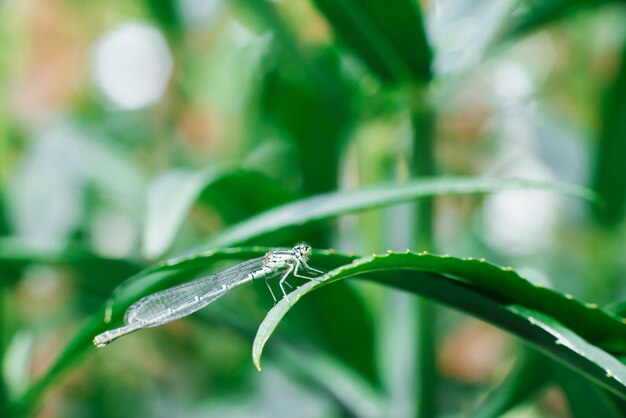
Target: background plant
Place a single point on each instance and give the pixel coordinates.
(137, 132)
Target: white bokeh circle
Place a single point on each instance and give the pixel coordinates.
(131, 65)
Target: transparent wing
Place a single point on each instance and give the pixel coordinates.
(185, 299)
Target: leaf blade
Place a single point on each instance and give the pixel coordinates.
(389, 38)
(608, 173)
(517, 314)
(544, 13)
(172, 195)
(334, 204)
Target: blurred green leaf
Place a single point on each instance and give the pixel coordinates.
(388, 36)
(74, 164)
(460, 50)
(265, 12)
(352, 391)
(4, 222)
(17, 360)
(231, 195)
(5, 384)
(617, 308)
(335, 204)
(609, 173)
(6, 272)
(585, 399)
(316, 122)
(530, 374)
(172, 195)
(539, 13)
(95, 271)
(566, 329)
(167, 14)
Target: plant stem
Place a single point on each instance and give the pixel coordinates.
(423, 123)
(3, 340)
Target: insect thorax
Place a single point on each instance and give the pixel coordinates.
(279, 259)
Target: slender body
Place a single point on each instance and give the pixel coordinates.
(179, 301)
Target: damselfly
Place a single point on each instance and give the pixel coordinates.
(179, 301)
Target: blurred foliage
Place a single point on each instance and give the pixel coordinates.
(133, 132)
(388, 37)
(609, 180)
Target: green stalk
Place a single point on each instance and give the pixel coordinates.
(4, 398)
(423, 123)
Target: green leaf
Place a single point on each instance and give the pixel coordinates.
(97, 271)
(617, 308)
(388, 36)
(167, 14)
(587, 400)
(172, 195)
(230, 195)
(311, 119)
(531, 373)
(458, 50)
(609, 180)
(335, 204)
(5, 376)
(292, 51)
(351, 390)
(170, 198)
(543, 12)
(4, 221)
(568, 330)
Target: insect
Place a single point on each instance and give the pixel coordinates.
(179, 301)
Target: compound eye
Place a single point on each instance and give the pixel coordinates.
(303, 248)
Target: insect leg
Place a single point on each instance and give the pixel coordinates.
(270, 289)
(282, 279)
(295, 272)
